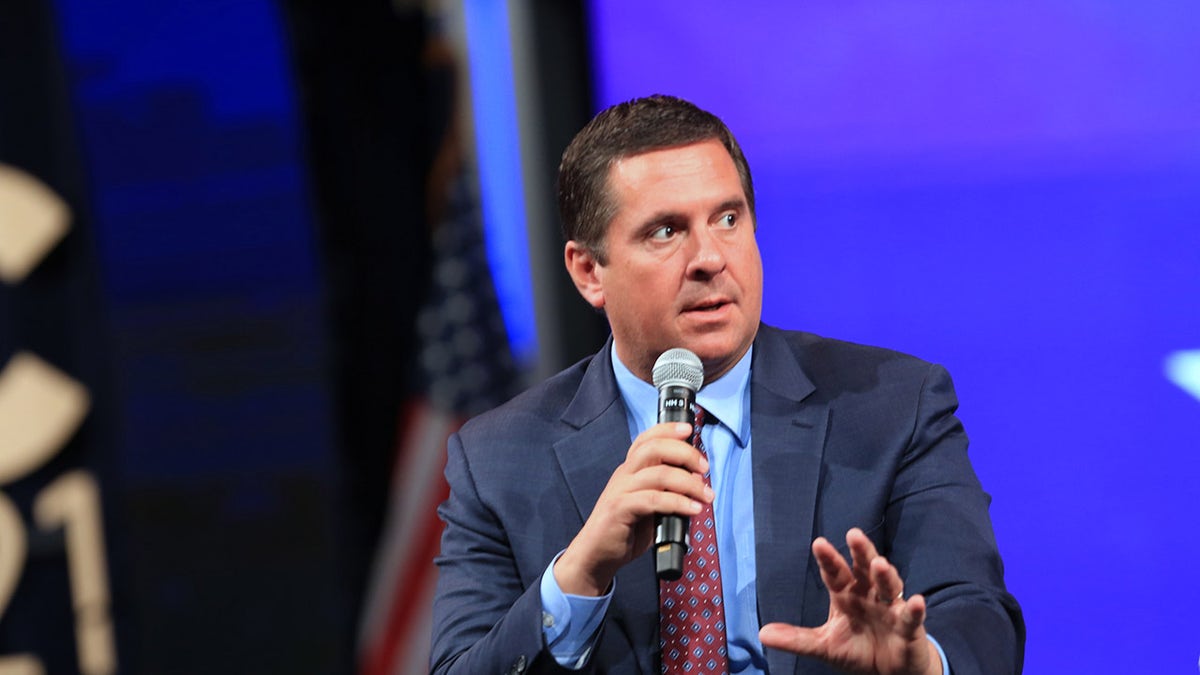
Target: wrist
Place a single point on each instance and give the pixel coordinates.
(574, 578)
(935, 659)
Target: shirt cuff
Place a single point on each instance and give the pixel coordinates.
(941, 653)
(570, 622)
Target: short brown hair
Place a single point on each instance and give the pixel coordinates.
(643, 124)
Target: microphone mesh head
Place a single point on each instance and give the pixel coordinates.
(678, 367)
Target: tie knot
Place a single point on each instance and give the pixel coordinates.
(700, 416)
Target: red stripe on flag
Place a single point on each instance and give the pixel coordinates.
(404, 610)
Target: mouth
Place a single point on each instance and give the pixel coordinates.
(708, 306)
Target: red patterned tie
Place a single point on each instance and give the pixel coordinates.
(691, 615)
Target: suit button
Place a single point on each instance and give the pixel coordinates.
(518, 666)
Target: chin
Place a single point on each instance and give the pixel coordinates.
(716, 359)
(718, 354)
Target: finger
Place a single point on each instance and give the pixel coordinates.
(889, 587)
(677, 430)
(651, 502)
(912, 618)
(834, 571)
(796, 639)
(663, 444)
(862, 552)
(674, 431)
(673, 454)
(667, 478)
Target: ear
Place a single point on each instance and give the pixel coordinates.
(583, 268)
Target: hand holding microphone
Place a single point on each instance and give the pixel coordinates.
(678, 375)
(658, 478)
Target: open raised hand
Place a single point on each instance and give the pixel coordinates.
(871, 627)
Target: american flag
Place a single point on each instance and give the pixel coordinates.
(465, 367)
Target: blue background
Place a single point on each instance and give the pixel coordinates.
(204, 233)
(1013, 191)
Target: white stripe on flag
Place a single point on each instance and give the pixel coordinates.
(417, 475)
(413, 656)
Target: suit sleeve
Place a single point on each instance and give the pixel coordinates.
(943, 544)
(484, 619)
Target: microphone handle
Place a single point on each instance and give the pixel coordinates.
(671, 530)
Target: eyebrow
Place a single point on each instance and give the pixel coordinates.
(735, 204)
(667, 217)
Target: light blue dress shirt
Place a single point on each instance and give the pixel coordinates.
(570, 622)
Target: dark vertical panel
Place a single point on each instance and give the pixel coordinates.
(562, 58)
(372, 114)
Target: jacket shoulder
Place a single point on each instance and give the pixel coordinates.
(533, 410)
(822, 353)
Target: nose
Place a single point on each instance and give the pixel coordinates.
(707, 255)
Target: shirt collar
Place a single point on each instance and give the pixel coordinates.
(726, 398)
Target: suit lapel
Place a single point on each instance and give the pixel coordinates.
(788, 436)
(587, 458)
(588, 455)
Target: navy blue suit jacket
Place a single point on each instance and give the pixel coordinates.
(844, 436)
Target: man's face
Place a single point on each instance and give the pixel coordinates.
(683, 266)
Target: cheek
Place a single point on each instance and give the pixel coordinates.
(752, 264)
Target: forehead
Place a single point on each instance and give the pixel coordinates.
(675, 177)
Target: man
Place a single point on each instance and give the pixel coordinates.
(545, 565)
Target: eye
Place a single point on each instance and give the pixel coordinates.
(728, 220)
(664, 232)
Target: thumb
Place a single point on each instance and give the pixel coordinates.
(796, 639)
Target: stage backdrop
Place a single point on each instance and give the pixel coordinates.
(1012, 191)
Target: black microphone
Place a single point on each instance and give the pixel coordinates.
(678, 375)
